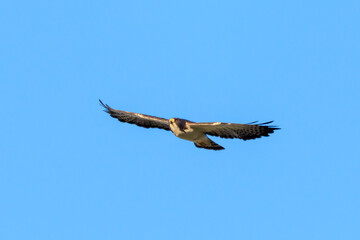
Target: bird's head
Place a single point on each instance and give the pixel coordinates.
(178, 122)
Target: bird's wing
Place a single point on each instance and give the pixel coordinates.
(234, 130)
(141, 120)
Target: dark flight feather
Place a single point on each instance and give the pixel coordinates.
(140, 120)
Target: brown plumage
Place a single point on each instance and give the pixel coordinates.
(193, 131)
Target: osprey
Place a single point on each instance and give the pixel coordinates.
(195, 131)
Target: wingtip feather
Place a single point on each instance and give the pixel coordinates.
(107, 108)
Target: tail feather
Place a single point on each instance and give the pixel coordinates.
(208, 144)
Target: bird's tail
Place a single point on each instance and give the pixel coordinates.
(208, 144)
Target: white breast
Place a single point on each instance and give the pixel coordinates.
(189, 133)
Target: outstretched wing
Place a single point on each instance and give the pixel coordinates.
(234, 130)
(140, 120)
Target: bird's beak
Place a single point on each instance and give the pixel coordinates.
(171, 120)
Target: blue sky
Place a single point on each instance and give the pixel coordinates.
(69, 171)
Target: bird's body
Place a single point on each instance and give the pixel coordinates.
(192, 131)
(182, 129)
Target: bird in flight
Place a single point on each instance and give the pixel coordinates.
(195, 132)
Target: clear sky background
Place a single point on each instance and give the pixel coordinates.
(69, 171)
